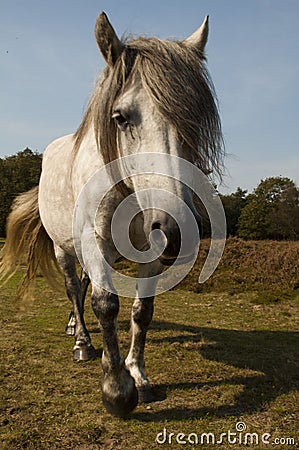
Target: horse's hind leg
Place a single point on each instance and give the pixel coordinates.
(83, 349)
(70, 329)
(142, 314)
(71, 325)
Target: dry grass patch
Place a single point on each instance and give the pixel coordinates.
(214, 359)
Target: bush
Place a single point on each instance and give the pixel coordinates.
(263, 266)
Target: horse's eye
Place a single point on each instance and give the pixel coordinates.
(121, 121)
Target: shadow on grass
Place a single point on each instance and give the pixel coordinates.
(273, 354)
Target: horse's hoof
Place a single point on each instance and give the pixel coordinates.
(119, 393)
(145, 394)
(70, 330)
(84, 353)
(121, 407)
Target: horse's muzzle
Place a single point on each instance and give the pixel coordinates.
(179, 243)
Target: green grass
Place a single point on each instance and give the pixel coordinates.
(214, 359)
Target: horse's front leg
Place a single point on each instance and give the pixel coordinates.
(142, 313)
(120, 395)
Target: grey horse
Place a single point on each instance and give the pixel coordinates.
(154, 96)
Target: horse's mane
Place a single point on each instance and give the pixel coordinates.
(176, 79)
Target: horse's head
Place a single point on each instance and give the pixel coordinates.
(156, 97)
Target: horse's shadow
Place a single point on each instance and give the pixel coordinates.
(271, 357)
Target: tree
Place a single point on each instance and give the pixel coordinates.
(233, 205)
(284, 219)
(18, 173)
(271, 211)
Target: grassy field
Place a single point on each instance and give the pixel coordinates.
(225, 355)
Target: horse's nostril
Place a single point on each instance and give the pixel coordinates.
(156, 226)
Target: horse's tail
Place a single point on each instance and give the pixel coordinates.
(28, 243)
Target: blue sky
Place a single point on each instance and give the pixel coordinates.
(49, 62)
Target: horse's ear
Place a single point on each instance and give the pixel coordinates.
(199, 38)
(107, 40)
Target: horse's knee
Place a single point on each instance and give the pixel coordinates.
(142, 311)
(105, 306)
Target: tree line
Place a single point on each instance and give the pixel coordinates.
(271, 211)
(18, 173)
